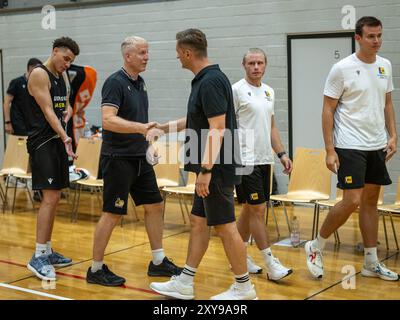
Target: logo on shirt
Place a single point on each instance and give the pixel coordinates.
(129, 88)
(50, 180)
(348, 180)
(358, 72)
(249, 93)
(267, 96)
(254, 196)
(119, 203)
(23, 86)
(381, 73)
(144, 87)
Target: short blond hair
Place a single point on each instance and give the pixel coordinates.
(131, 42)
(254, 50)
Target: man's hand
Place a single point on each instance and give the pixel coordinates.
(391, 148)
(287, 164)
(202, 184)
(68, 114)
(68, 148)
(332, 161)
(9, 129)
(145, 127)
(153, 134)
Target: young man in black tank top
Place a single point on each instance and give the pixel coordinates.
(49, 147)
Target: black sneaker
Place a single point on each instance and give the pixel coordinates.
(165, 269)
(104, 277)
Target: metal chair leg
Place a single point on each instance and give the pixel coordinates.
(276, 221)
(386, 236)
(15, 195)
(287, 218)
(394, 231)
(6, 193)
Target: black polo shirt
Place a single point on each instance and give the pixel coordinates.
(19, 105)
(212, 96)
(129, 96)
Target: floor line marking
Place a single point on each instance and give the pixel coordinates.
(38, 293)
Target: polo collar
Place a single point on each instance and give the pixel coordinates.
(204, 71)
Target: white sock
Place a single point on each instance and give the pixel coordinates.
(96, 266)
(268, 256)
(187, 275)
(48, 247)
(41, 249)
(318, 243)
(370, 256)
(243, 281)
(158, 256)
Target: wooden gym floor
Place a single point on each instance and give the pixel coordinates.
(128, 255)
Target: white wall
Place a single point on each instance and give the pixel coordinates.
(230, 25)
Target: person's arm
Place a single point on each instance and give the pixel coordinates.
(7, 118)
(278, 147)
(390, 122)
(38, 86)
(173, 126)
(215, 137)
(329, 108)
(112, 122)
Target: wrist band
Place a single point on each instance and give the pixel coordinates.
(281, 154)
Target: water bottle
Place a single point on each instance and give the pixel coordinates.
(86, 131)
(295, 232)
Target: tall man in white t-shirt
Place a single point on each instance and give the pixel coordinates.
(254, 108)
(357, 110)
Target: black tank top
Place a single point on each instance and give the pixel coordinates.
(40, 130)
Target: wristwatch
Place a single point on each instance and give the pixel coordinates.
(7, 122)
(281, 154)
(205, 170)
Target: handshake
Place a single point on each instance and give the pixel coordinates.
(152, 131)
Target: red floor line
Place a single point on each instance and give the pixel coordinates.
(82, 278)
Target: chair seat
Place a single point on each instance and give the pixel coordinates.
(11, 171)
(328, 203)
(181, 190)
(166, 183)
(299, 197)
(390, 207)
(91, 182)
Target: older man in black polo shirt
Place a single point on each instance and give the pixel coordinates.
(125, 170)
(210, 126)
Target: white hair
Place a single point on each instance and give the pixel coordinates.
(131, 42)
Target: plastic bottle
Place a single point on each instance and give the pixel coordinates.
(295, 232)
(86, 131)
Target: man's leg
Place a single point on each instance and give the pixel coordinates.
(160, 265)
(337, 216)
(369, 221)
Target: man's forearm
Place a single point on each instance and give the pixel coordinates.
(213, 147)
(327, 129)
(390, 121)
(55, 124)
(173, 126)
(119, 125)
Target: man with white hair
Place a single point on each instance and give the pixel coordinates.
(124, 167)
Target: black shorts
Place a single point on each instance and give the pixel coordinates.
(128, 176)
(359, 167)
(218, 207)
(50, 167)
(255, 187)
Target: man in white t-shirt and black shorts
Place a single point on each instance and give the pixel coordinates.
(259, 136)
(357, 109)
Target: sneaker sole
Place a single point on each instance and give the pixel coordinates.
(371, 274)
(256, 272)
(172, 294)
(287, 274)
(104, 284)
(37, 274)
(162, 274)
(59, 265)
(306, 249)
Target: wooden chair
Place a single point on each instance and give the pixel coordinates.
(181, 192)
(387, 210)
(16, 164)
(310, 181)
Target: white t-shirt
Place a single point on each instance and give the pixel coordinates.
(359, 120)
(254, 107)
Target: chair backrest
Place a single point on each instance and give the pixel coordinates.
(191, 179)
(167, 174)
(310, 176)
(88, 153)
(16, 157)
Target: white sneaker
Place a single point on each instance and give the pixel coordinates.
(314, 260)
(252, 267)
(174, 289)
(235, 294)
(379, 270)
(276, 271)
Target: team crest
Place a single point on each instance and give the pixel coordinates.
(254, 196)
(119, 203)
(381, 70)
(348, 179)
(267, 95)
